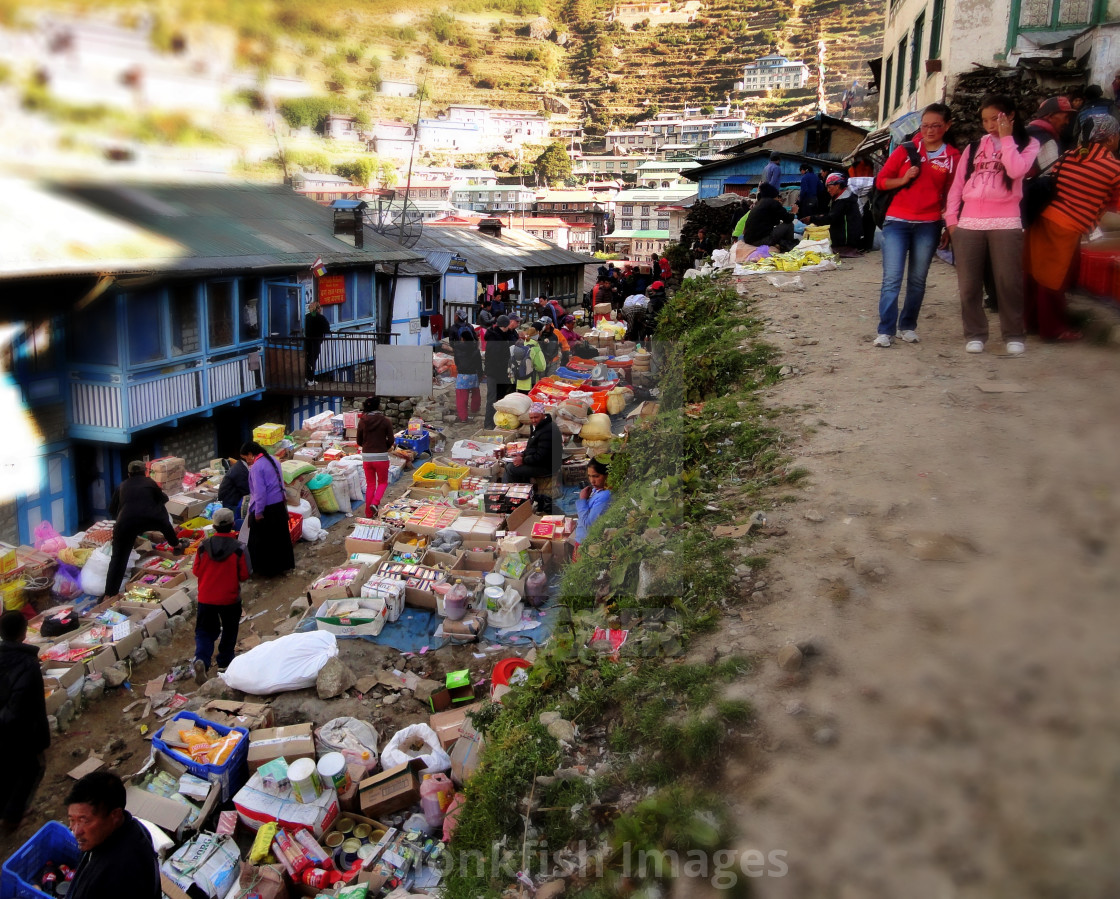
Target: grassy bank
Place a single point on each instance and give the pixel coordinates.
(652, 726)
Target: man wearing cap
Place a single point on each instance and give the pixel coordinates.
(499, 339)
(768, 223)
(1047, 128)
(844, 218)
(220, 567)
(543, 451)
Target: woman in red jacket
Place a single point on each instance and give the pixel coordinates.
(913, 225)
(220, 567)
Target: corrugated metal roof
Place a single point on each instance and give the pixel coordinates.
(513, 251)
(206, 227)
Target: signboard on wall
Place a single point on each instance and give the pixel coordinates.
(332, 290)
(457, 265)
(404, 370)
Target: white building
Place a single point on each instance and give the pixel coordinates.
(645, 221)
(663, 173)
(394, 140)
(494, 197)
(927, 44)
(390, 88)
(594, 166)
(471, 129)
(774, 73)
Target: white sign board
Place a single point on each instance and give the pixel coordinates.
(404, 370)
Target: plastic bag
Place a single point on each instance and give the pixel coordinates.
(313, 530)
(417, 741)
(48, 539)
(67, 581)
(720, 258)
(354, 738)
(506, 611)
(303, 509)
(515, 403)
(506, 421)
(96, 570)
(287, 663)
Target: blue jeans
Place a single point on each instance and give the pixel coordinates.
(919, 239)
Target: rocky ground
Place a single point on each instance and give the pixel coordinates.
(951, 569)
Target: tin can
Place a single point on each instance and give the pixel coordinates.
(332, 771)
(345, 826)
(350, 850)
(361, 833)
(334, 840)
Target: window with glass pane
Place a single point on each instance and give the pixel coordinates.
(916, 51)
(94, 335)
(363, 291)
(1075, 12)
(145, 328)
(219, 313)
(186, 333)
(900, 72)
(935, 29)
(885, 89)
(1035, 13)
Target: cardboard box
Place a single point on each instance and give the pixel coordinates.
(519, 516)
(392, 790)
(252, 716)
(477, 561)
(127, 644)
(8, 558)
(466, 752)
(447, 724)
(167, 813)
(152, 617)
(357, 545)
(446, 561)
(295, 741)
(255, 806)
(103, 659)
(156, 579)
(55, 692)
(368, 621)
(436, 491)
(184, 506)
(321, 594)
(179, 601)
(490, 470)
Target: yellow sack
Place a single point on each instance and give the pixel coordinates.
(597, 428)
(506, 421)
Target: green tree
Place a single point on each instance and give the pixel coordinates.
(707, 109)
(359, 170)
(554, 164)
(387, 172)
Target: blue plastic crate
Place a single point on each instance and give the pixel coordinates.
(419, 444)
(231, 776)
(52, 843)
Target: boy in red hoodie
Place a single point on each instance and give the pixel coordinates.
(220, 567)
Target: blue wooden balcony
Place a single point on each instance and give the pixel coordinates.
(346, 365)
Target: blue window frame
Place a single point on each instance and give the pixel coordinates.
(221, 319)
(363, 294)
(93, 339)
(184, 318)
(144, 321)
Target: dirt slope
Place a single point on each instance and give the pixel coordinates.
(954, 557)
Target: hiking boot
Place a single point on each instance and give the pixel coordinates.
(199, 668)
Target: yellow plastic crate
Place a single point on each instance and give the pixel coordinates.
(268, 433)
(422, 477)
(196, 524)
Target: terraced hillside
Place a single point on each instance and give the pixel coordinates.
(512, 52)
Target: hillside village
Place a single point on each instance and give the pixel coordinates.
(189, 190)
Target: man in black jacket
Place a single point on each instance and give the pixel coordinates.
(118, 858)
(23, 720)
(234, 488)
(768, 223)
(315, 329)
(499, 339)
(544, 450)
(138, 505)
(844, 219)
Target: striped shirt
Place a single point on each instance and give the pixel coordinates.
(1087, 184)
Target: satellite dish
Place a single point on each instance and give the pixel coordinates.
(395, 217)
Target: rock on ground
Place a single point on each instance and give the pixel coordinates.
(334, 679)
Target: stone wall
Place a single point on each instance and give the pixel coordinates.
(9, 524)
(195, 444)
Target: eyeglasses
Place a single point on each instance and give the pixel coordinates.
(933, 126)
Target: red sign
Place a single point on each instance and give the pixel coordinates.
(332, 290)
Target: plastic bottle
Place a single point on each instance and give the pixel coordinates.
(455, 602)
(435, 796)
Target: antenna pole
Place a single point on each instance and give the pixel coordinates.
(415, 138)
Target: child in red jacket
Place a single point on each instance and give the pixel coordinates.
(220, 567)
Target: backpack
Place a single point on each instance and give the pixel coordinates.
(558, 312)
(520, 365)
(879, 201)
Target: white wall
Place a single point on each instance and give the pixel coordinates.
(406, 308)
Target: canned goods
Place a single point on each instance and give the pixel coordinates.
(334, 840)
(332, 771)
(350, 850)
(361, 833)
(345, 826)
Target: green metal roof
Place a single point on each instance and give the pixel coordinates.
(189, 228)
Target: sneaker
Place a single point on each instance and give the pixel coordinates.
(974, 346)
(1016, 348)
(882, 340)
(910, 336)
(199, 668)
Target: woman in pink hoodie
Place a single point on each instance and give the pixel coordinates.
(985, 223)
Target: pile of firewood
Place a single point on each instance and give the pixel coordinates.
(1028, 84)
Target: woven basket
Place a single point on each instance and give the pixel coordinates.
(575, 474)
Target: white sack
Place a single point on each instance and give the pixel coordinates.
(402, 749)
(287, 663)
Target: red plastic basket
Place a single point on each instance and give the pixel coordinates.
(1099, 272)
(295, 526)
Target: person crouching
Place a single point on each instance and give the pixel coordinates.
(220, 567)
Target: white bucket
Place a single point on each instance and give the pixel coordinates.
(332, 770)
(304, 778)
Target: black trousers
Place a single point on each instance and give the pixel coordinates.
(313, 347)
(125, 532)
(494, 392)
(214, 620)
(26, 772)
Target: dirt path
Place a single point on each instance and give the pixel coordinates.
(953, 555)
